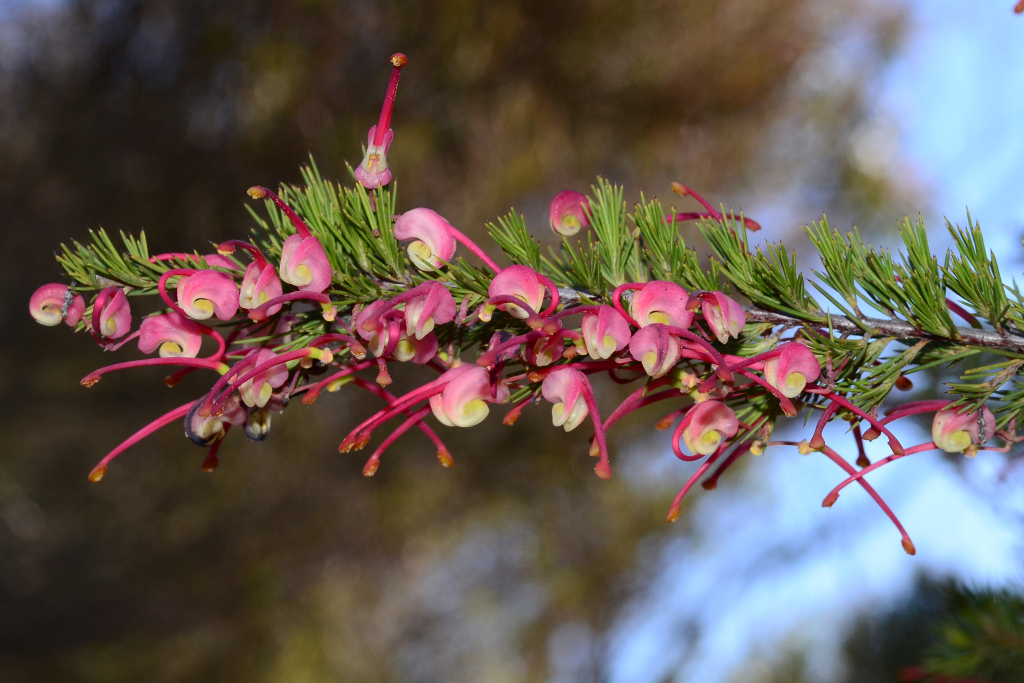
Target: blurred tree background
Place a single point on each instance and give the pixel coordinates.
(286, 564)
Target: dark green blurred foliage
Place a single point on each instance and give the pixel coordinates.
(983, 638)
(286, 564)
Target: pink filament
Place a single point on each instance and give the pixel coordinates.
(156, 424)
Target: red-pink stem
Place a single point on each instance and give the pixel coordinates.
(914, 409)
(95, 375)
(386, 395)
(206, 409)
(162, 287)
(259, 192)
(698, 215)
(371, 465)
(894, 443)
(817, 441)
(181, 257)
(721, 366)
(603, 467)
(963, 313)
(673, 511)
(554, 295)
(737, 453)
(617, 300)
(313, 390)
(908, 545)
(471, 245)
(365, 428)
(101, 468)
(398, 60)
(491, 355)
(262, 367)
(830, 499)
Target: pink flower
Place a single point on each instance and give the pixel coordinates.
(304, 263)
(371, 326)
(604, 332)
(174, 335)
(655, 348)
(260, 285)
(522, 283)
(206, 431)
(567, 212)
(792, 369)
(433, 242)
(207, 293)
(661, 302)
(565, 389)
(256, 391)
(956, 432)
(422, 312)
(724, 316)
(374, 171)
(463, 402)
(544, 351)
(707, 425)
(112, 317)
(417, 350)
(54, 302)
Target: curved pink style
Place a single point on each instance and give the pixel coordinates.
(260, 285)
(419, 350)
(792, 369)
(422, 312)
(661, 302)
(175, 336)
(256, 391)
(565, 388)
(304, 263)
(707, 425)
(433, 241)
(568, 212)
(956, 432)
(50, 304)
(374, 171)
(723, 315)
(114, 314)
(463, 402)
(522, 283)
(655, 348)
(544, 351)
(208, 293)
(604, 332)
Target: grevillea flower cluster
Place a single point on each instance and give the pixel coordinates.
(338, 289)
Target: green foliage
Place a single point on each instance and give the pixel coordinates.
(974, 275)
(983, 639)
(514, 239)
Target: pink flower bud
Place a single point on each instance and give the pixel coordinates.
(708, 424)
(956, 432)
(260, 285)
(661, 302)
(724, 316)
(604, 332)
(433, 242)
(207, 293)
(564, 388)
(373, 171)
(792, 369)
(568, 212)
(655, 348)
(304, 263)
(257, 390)
(174, 335)
(52, 303)
(115, 315)
(522, 283)
(436, 307)
(463, 403)
(418, 350)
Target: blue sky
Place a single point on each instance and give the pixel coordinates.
(766, 569)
